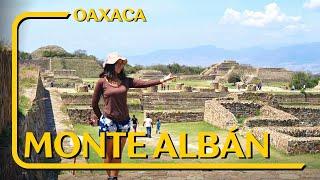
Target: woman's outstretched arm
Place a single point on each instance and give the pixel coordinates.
(138, 83)
(98, 90)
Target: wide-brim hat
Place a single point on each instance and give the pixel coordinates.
(113, 57)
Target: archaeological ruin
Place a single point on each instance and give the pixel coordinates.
(62, 97)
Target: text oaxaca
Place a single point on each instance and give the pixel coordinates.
(109, 15)
(208, 145)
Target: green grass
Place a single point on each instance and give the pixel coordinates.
(90, 80)
(230, 85)
(192, 129)
(24, 104)
(133, 101)
(241, 120)
(139, 115)
(277, 84)
(28, 75)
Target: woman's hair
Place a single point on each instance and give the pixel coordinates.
(110, 73)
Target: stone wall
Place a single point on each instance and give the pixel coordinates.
(177, 100)
(268, 121)
(8, 168)
(282, 98)
(217, 115)
(34, 121)
(270, 112)
(64, 72)
(85, 98)
(85, 114)
(5, 90)
(283, 138)
(39, 120)
(301, 131)
(274, 75)
(170, 116)
(82, 115)
(303, 113)
(65, 82)
(197, 77)
(242, 108)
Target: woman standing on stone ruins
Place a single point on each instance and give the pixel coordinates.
(113, 86)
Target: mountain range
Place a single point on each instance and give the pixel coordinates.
(298, 57)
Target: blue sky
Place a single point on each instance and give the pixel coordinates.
(229, 24)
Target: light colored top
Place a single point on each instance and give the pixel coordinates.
(148, 122)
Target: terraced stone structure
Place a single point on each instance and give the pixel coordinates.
(149, 74)
(52, 57)
(177, 106)
(169, 106)
(221, 72)
(292, 129)
(65, 78)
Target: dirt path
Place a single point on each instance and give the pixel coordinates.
(62, 123)
(61, 119)
(305, 174)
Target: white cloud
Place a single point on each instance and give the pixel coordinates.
(296, 27)
(271, 16)
(312, 4)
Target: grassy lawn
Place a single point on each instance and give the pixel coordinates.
(28, 76)
(192, 129)
(133, 101)
(230, 85)
(90, 80)
(277, 84)
(24, 104)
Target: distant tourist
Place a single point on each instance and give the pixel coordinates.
(259, 86)
(113, 86)
(158, 123)
(134, 123)
(148, 124)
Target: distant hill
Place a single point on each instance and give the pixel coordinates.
(46, 50)
(295, 57)
(85, 66)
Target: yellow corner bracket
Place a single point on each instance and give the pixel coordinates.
(65, 15)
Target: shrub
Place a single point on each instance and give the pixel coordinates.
(233, 78)
(300, 79)
(24, 104)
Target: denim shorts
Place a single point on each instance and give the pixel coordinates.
(109, 125)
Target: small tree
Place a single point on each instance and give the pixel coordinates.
(233, 78)
(24, 55)
(300, 79)
(80, 53)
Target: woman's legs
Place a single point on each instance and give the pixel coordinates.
(109, 153)
(118, 160)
